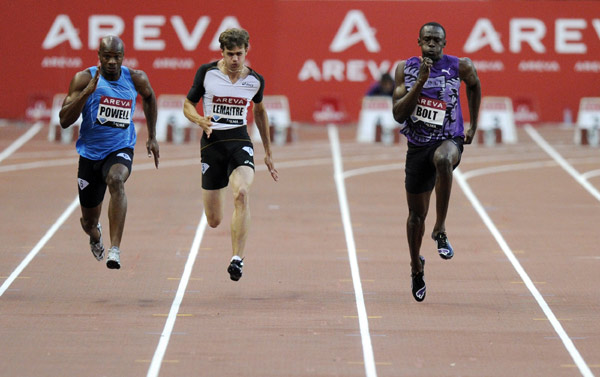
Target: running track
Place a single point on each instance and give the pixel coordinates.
(326, 286)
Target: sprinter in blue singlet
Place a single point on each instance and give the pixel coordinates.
(427, 104)
(105, 97)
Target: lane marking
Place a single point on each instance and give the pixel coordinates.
(573, 337)
(373, 169)
(163, 342)
(18, 277)
(33, 130)
(591, 173)
(338, 175)
(362, 362)
(371, 316)
(38, 164)
(573, 365)
(178, 315)
(199, 279)
(561, 161)
(36, 249)
(575, 355)
(522, 282)
(509, 168)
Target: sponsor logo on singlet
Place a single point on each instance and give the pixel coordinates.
(230, 110)
(114, 112)
(430, 111)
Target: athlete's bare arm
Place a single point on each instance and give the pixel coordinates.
(468, 74)
(81, 87)
(262, 123)
(144, 89)
(405, 101)
(190, 112)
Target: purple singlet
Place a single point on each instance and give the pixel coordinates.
(437, 115)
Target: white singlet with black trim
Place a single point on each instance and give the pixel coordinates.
(226, 103)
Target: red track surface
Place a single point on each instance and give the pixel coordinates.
(295, 312)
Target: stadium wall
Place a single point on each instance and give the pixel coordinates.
(545, 55)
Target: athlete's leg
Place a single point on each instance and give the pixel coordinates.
(117, 207)
(418, 205)
(445, 158)
(89, 221)
(240, 180)
(214, 206)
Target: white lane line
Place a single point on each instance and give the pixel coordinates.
(507, 168)
(583, 367)
(561, 161)
(373, 169)
(38, 164)
(21, 140)
(338, 174)
(591, 173)
(165, 336)
(41, 243)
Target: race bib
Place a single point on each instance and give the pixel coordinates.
(229, 110)
(114, 112)
(430, 111)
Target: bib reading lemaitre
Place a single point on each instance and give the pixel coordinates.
(225, 102)
(107, 117)
(438, 115)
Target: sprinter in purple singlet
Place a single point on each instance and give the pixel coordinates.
(427, 104)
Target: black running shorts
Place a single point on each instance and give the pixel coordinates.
(420, 170)
(224, 151)
(91, 176)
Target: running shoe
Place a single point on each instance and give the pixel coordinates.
(235, 268)
(418, 283)
(97, 247)
(443, 245)
(113, 260)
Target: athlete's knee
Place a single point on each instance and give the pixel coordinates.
(443, 161)
(88, 224)
(416, 219)
(115, 183)
(213, 221)
(213, 218)
(241, 197)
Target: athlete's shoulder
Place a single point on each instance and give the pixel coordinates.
(413, 60)
(82, 78)
(255, 74)
(208, 66)
(451, 59)
(128, 72)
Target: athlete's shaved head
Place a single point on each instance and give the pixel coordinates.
(111, 42)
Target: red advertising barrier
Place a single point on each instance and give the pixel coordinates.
(547, 52)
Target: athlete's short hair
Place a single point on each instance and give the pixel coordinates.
(434, 24)
(233, 37)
